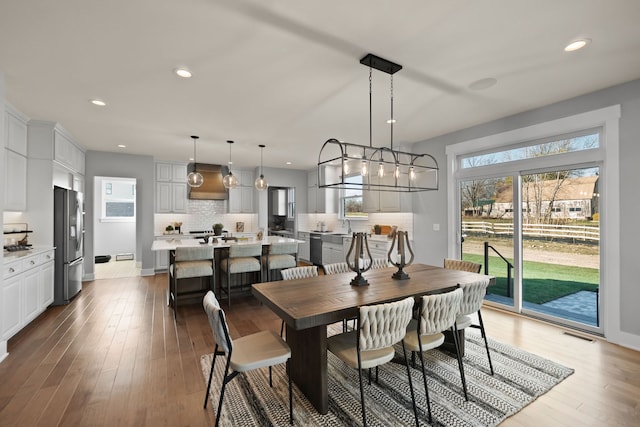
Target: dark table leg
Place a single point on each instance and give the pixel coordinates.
(449, 344)
(309, 362)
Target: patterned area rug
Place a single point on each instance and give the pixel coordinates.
(520, 377)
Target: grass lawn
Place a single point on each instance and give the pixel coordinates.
(541, 282)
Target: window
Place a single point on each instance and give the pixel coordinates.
(351, 200)
(118, 200)
(586, 140)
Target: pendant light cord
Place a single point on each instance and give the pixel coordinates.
(391, 112)
(370, 115)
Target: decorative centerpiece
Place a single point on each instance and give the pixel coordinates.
(169, 229)
(217, 229)
(402, 239)
(178, 226)
(359, 258)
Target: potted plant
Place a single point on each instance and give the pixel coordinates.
(217, 229)
(169, 229)
(377, 229)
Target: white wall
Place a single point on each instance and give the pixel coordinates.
(431, 208)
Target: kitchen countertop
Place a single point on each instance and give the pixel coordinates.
(35, 250)
(171, 244)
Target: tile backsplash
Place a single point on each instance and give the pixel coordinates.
(202, 214)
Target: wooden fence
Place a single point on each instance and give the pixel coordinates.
(542, 231)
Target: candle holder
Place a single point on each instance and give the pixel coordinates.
(356, 258)
(402, 239)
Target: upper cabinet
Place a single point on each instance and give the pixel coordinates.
(50, 141)
(171, 188)
(15, 161)
(321, 200)
(241, 197)
(385, 201)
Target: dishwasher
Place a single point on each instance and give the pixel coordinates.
(315, 248)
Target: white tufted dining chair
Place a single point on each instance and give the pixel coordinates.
(255, 351)
(379, 327)
(336, 268)
(297, 273)
(473, 295)
(436, 313)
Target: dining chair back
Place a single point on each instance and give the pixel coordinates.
(242, 258)
(380, 263)
(472, 299)
(300, 272)
(336, 268)
(279, 256)
(189, 262)
(259, 350)
(378, 328)
(457, 264)
(436, 313)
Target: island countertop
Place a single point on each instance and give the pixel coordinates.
(172, 244)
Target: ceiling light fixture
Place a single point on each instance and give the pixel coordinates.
(121, 146)
(396, 170)
(230, 181)
(261, 183)
(183, 72)
(195, 179)
(98, 102)
(576, 45)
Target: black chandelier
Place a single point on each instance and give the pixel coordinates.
(380, 168)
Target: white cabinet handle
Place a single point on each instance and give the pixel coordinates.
(32, 262)
(11, 270)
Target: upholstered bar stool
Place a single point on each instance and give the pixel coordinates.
(281, 256)
(243, 258)
(189, 262)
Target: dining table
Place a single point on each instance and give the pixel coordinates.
(308, 305)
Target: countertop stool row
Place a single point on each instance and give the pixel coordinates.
(243, 265)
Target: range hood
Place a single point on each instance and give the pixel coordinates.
(212, 188)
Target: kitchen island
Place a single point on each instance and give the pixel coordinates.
(172, 244)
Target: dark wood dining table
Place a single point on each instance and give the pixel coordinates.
(308, 305)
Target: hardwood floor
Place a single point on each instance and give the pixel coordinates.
(115, 356)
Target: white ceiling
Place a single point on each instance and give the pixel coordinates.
(287, 73)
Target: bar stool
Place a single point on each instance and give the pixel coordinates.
(189, 262)
(281, 256)
(242, 258)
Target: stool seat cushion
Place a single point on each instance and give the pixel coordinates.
(281, 261)
(186, 269)
(241, 265)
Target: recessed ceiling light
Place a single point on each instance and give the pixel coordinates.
(191, 159)
(288, 163)
(483, 84)
(576, 45)
(391, 121)
(122, 146)
(98, 102)
(183, 72)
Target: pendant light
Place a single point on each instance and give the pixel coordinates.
(195, 179)
(230, 181)
(381, 168)
(261, 183)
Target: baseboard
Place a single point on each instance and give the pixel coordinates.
(147, 272)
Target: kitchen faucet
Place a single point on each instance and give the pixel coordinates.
(348, 225)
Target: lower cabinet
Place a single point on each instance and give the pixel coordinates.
(304, 248)
(331, 253)
(27, 290)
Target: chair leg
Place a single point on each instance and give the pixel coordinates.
(290, 393)
(426, 389)
(454, 329)
(486, 344)
(413, 396)
(364, 414)
(270, 377)
(282, 329)
(224, 386)
(213, 364)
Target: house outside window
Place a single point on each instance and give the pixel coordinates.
(351, 200)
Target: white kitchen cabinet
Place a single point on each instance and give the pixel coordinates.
(15, 181)
(385, 201)
(171, 188)
(241, 197)
(304, 248)
(332, 253)
(321, 200)
(162, 257)
(15, 161)
(27, 290)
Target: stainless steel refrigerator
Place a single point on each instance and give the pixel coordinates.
(68, 239)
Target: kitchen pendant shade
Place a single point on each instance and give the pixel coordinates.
(261, 183)
(195, 178)
(230, 181)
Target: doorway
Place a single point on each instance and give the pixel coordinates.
(115, 227)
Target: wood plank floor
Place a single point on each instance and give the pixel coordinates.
(115, 356)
